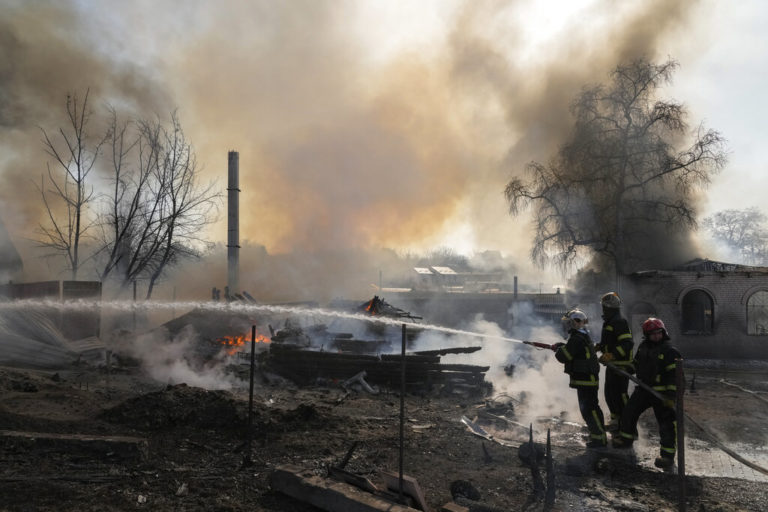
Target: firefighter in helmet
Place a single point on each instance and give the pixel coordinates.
(580, 360)
(655, 363)
(616, 346)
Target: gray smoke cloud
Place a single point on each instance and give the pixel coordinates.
(337, 153)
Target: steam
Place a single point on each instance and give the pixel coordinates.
(537, 383)
(166, 359)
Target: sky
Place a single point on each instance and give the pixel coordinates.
(373, 123)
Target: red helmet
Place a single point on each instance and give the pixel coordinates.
(654, 324)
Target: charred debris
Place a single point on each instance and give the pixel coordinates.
(361, 355)
(317, 354)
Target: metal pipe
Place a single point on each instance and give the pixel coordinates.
(549, 498)
(250, 397)
(402, 417)
(680, 412)
(233, 221)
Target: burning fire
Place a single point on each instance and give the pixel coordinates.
(237, 342)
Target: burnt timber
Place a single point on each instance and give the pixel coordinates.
(421, 371)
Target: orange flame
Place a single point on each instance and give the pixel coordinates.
(237, 342)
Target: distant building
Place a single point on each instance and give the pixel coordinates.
(447, 279)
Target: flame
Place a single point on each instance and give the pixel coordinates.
(239, 341)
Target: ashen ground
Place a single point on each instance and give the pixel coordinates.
(196, 447)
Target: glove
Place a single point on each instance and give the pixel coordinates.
(599, 347)
(606, 358)
(558, 345)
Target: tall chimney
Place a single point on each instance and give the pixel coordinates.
(233, 223)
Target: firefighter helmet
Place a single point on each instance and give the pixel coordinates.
(655, 324)
(611, 300)
(574, 319)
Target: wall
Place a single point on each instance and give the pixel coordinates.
(662, 292)
(73, 324)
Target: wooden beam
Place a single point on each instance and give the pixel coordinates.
(328, 495)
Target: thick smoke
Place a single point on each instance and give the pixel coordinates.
(338, 152)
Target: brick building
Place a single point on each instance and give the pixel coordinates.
(712, 310)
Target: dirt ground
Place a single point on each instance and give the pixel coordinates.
(196, 446)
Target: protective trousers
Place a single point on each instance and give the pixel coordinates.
(590, 411)
(638, 403)
(616, 396)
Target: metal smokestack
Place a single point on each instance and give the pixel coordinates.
(233, 223)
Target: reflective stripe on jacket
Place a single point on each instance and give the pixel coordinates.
(580, 360)
(656, 366)
(616, 339)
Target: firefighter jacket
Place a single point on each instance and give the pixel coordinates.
(616, 339)
(580, 360)
(655, 365)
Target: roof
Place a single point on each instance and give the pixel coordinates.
(446, 271)
(702, 265)
(705, 265)
(422, 270)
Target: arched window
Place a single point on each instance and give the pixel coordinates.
(757, 314)
(698, 311)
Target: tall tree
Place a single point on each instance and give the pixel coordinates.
(66, 189)
(620, 179)
(742, 231)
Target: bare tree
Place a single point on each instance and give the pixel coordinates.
(185, 206)
(620, 177)
(121, 219)
(157, 208)
(742, 231)
(66, 187)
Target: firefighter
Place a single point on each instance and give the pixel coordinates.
(616, 346)
(580, 360)
(655, 363)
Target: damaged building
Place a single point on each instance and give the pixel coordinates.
(712, 310)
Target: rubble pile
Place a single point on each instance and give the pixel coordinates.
(423, 372)
(178, 405)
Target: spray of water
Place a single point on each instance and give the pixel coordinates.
(537, 375)
(233, 308)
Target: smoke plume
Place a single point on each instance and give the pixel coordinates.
(339, 150)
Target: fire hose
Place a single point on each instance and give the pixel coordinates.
(711, 436)
(661, 397)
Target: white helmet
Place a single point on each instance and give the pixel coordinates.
(611, 300)
(574, 319)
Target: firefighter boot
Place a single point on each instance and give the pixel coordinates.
(620, 442)
(597, 443)
(664, 462)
